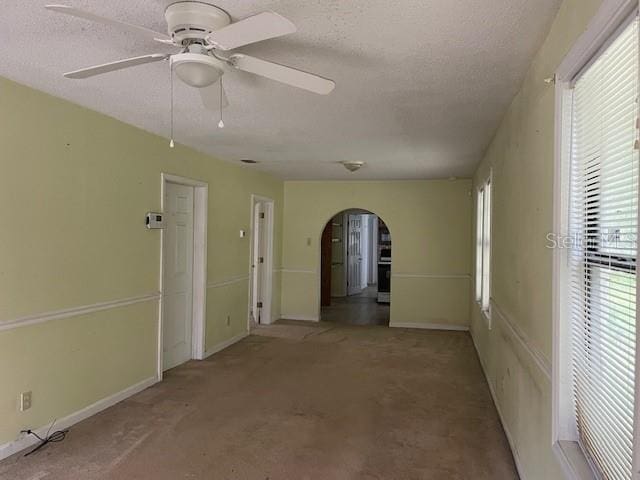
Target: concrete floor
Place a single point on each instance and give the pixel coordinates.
(361, 309)
(343, 402)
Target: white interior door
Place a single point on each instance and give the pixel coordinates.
(373, 250)
(364, 254)
(354, 255)
(177, 321)
(257, 266)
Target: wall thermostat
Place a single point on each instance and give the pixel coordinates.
(154, 220)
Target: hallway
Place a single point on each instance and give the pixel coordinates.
(341, 402)
(361, 309)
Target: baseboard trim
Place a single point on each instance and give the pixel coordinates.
(431, 326)
(510, 439)
(304, 318)
(222, 345)
(24, 441)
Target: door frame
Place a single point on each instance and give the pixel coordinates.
(326, 264)
(267, 285)
(199, 298)
(345, 254)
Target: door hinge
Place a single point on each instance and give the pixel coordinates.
(261, 260)
(261, 214)
(259, 305)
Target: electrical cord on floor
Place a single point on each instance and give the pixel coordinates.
(56, 436)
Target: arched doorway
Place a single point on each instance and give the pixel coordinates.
(355, 269)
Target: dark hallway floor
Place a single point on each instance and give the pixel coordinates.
(361, 309)
(341, 402)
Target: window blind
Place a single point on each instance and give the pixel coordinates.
(479, 229)
(603, 224)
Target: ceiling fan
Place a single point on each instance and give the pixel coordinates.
(203, 33)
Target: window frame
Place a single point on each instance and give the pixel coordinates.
(482, 282)
(479, 242)
(485, 301)
(602, 30)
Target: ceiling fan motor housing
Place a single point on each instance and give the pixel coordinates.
(194, 20)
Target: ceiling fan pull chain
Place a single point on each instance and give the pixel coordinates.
(221, 123)
(171, 144)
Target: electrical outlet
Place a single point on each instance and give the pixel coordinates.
(25, 401)
(228, 320)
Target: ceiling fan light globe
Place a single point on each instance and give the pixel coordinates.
(196, 70)
(197, 75)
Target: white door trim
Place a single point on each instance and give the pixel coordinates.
(200, 209)
(267, 277)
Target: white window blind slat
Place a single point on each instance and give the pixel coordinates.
(603, 210)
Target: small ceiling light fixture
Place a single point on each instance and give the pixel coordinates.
(248, 160)
(352, 166)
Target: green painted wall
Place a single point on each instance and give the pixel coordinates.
(74, 188)
(64, 167)
(430, 224)
(521, 158)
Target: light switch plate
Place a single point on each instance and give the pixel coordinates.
(25, 401)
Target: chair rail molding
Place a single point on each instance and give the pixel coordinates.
(76, 311)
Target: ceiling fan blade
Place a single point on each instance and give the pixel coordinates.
(283, 74)
(250, 30)
(211, 97)
(75, 12)
(113, 66)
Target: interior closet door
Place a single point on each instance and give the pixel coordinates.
(177, 321)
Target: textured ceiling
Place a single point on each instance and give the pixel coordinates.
(421, 84)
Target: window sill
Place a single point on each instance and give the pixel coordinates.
(485, 314)
(573, 462)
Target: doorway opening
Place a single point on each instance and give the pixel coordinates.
(355, 269)
(183, 277)
(261, 264)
